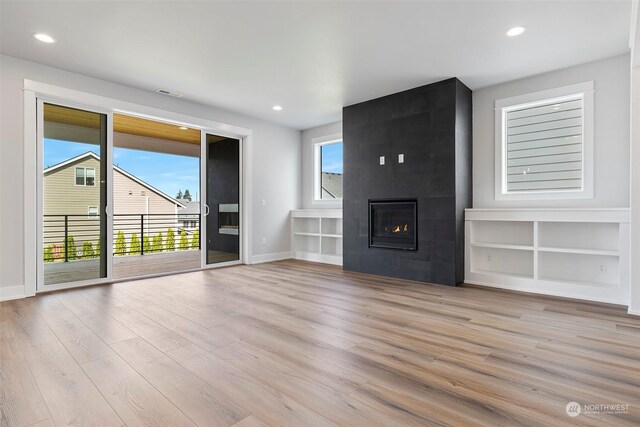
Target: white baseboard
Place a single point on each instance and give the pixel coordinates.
(542, 288)
(276, 256)
(8, 293)
(316, 257)
(633, 312)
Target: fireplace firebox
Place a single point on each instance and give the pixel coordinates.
(392, 224)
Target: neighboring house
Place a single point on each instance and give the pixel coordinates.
(331, 185)
(189, 216)
(72, 189)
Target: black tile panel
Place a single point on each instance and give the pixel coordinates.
(431, 126)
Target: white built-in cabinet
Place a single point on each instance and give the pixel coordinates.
(316, 235)
(576, 253)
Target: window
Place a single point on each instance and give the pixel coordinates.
(544, 144)
(328, 171)
(85, 177)
(93, 212)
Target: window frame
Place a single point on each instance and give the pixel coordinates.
(502, 106)
(317, 168)
(90, 216)
(84, 176)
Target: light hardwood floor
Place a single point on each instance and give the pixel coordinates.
(300, 344)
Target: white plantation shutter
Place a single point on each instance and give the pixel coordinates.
(544, 146)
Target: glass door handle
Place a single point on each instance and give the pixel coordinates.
(206, 210)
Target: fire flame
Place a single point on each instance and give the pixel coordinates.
(398, 229)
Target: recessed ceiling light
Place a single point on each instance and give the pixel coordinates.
(277, 108)
(515, 31)
(184, 127)
(45, 38)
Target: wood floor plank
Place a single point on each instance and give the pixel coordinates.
(156, 334)
(201, 402)
(294, 343)
(250, 421)
(79, 340)
(336, 406)
(69, 394)
(21, 403)
(257, 397)
(135, 400)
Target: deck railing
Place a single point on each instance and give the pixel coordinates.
(73, 237)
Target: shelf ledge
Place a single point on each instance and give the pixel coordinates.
(502, 246)
(579, 251)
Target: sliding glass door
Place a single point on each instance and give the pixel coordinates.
(222, 199)
(122, 196)
(73, 213)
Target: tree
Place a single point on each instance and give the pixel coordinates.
(134, 247)
(170, 244)
(97, 251)
(156, 245)
(70, 249)
(48, 254)
(121, 244)
(186, 195)
(184, 241)
(179, 195)
(195, 239)
(87, 250)
(146, 244)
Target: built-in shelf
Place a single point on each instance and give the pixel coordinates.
(514, 275)
(576, 253)
(579, 251)
(502, 246)
(317, 235)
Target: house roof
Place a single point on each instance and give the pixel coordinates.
(115, 168)
(191, 208)
(331, 185)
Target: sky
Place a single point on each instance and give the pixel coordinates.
(332, 158)
(168, 173)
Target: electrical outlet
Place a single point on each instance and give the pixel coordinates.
(400, 158)
(489, 258)
(381, 160)
(603, 268)
(263, 202)
(264, 240)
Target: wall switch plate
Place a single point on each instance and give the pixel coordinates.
(400, 158)
(381, 160)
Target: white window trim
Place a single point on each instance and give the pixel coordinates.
(317, 165)
(84, 176)
(75, 176)
(96, 216)
(501, 105)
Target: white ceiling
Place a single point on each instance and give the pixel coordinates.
(312, 58)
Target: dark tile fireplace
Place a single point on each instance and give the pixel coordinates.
(392, 224)
(407, 181)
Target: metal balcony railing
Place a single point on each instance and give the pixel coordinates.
(74, 237)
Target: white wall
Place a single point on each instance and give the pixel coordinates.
(611, 133)
(634, 303)
(309, 137)
(276, 150)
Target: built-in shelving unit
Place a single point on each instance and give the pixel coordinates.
(576, 253)
(316, 235)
